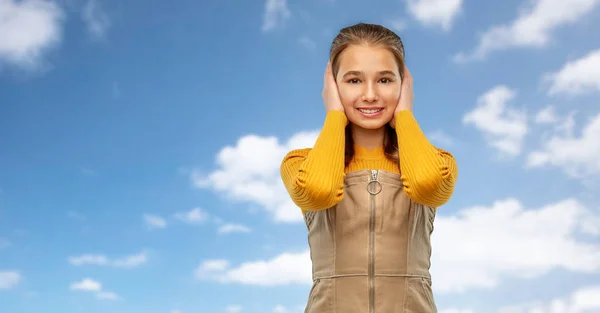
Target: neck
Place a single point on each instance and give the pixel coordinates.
(368, 138)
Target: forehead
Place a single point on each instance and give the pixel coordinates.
(357, 57)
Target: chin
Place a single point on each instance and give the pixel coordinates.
(370, 124)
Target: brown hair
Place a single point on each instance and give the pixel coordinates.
(370, 34)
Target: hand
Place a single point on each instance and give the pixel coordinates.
(407, 96)
(330, 94)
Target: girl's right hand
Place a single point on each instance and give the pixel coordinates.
(330, 94)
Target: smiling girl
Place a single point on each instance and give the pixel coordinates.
(370, 186)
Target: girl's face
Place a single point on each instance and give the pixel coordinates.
(369, 85)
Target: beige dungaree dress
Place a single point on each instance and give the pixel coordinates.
(371, 252)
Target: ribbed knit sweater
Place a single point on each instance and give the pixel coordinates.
(314, 177)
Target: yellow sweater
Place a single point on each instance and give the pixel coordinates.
(314, 177)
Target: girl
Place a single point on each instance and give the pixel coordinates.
(369, 187)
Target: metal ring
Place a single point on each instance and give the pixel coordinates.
(377, 190)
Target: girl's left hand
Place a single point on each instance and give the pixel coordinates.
(407, 96)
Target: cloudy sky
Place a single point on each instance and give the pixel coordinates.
(140, 145)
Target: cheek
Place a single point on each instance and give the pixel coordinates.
(349, 95)
(390, 96)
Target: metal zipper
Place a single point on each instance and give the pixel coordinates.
(373, 191)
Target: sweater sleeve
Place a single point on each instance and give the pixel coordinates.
(314, 178)
(428, 174)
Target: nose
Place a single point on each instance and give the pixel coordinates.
(369, 93)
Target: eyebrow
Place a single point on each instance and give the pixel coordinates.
(358, 73)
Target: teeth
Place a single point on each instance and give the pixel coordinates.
(370, 111)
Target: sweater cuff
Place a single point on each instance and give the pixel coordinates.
(336, 117)
(403, 117)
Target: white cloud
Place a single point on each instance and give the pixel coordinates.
(553, 123)
(276, 13)
(480, 246)
(503, 126)
(234, 308)
(233, 228)
(194, 216)
(435, 13)
(566, 125)
(107, 295)
(249, 172)
(577, 77)
(96, 20)
(9, 279)
(176, 311)
(154, 221)
(131, 261)
(212, 266)
(576, 155)
(284, 269)
(547, 115)
(28, 30)
(583, 300)
(93, 286)
(87, 284)
(102, 260)
(532, 28)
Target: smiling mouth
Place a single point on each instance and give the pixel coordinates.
(370, 111)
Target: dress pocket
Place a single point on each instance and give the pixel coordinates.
(420, 296)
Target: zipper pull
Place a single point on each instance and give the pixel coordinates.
(374, 186)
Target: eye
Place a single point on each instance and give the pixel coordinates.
(354, 80)
(386, 80)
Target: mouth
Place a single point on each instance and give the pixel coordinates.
(370, 112)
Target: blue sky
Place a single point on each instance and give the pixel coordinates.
(140, 146)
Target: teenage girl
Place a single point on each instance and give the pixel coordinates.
(370, 186)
